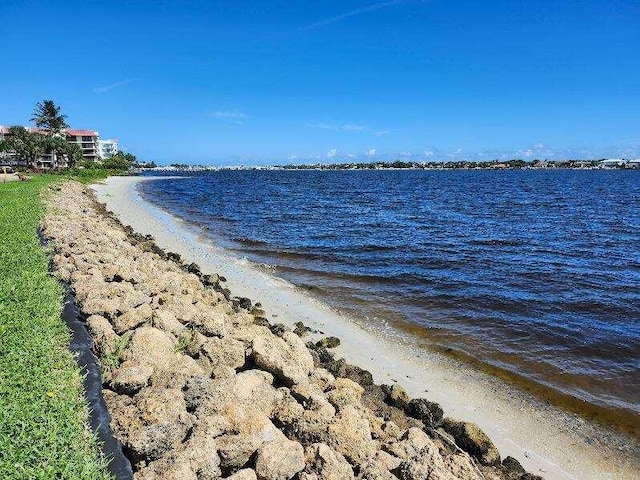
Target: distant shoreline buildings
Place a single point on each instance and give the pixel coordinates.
(604, 164)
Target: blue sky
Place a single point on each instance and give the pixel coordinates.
(228, 82)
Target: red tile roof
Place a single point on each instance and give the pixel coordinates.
(89, 133)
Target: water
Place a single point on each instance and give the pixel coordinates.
(534, 274)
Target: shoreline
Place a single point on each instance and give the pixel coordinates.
(547, 441)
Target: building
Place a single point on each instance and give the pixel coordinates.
(107, 148)
(87, 140)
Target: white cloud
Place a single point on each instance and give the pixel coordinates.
(370, 153)
(404, 154)
(332, 153)
(352, 13)
(381, 133)
(350, 155)
(429, 153)
(121, 83)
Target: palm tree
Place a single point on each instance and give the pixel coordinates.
(48, 117)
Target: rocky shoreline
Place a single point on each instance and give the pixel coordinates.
(200, 385)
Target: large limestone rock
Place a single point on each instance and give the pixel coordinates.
(350, 435)
(345, 392)
(279, 460)
(236, 449)
(220, 353)
(130, 377)
(326, 463)
(244, 474)
(103, 335)
(286, 357)
(412, 443)
(152, 423)
(250, 391)
(472, 439)
(132, 319)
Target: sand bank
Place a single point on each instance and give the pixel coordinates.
(548, 441)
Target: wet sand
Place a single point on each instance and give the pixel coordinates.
(548, 441)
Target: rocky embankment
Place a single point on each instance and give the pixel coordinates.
(199, 384)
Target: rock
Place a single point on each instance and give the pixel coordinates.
(151, 346)
(395, 396)
(103, 335)
(344, 392)
(104, 306)
(130, 377)
(300, 329)
(473, 440)
(167, 321)
(236, 449)
(243, 302)
(286, 410)
(374, 469)
(151, 424)
(221, 352)
(350, 435)
(287, 357)
(278, 329)
(279, 460)
(430, 413)
(327, 464)
(195, 459)
(211, 323)
(250, 392)
(328, 342)
(196, 390)
(321, 378)
(132, 319)
(244, 474)
(410, 446)
(340, 368)
(513, 466)
(193, 268)
(460, 467)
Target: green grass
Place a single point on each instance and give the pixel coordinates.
(43, 432)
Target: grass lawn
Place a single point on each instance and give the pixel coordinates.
(43, 416)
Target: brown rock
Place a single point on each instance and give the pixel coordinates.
(132, 319)
(327, 464)
(103, 335)
(473, 440)
(244, 474)
(350, 435)
(130, 377)
(279, 460)
(287, 357)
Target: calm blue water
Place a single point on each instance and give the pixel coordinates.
(535, 272)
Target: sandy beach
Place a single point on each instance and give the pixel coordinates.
(547, 441)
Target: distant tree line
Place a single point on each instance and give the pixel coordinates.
(514, 164)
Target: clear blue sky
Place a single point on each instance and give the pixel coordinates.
(228, 82)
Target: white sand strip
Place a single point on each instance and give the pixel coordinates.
(546, 440)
